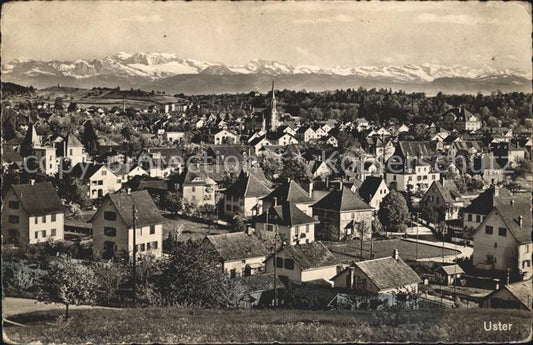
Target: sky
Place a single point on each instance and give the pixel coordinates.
(311, 33)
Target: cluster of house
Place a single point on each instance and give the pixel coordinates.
(496, 221)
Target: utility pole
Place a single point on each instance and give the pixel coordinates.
(134, 255)
(416, 255)
(275, 264)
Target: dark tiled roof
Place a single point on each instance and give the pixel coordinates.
(342, 200)
(247, 186)
(522, 291)
(260, 282)
(414, 148)
(38, 199)
(89, 168)
(286, 214)
(12, 157)
(146, 211)
(511, 213)
(369, 187)
(237, 245)
(289, 191)
(311, 255)
(388, 273)
(484, 203)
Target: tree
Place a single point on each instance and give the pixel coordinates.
(68, 283)
(73, 106)
(192, 274)
(89, 138)
(173, 202)
(58, 103)
(393, 212)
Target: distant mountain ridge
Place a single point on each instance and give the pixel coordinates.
(161, 70)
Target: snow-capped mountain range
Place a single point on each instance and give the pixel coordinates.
(167, 72)
(162, 65)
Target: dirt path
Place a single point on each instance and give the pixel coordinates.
(14, 306)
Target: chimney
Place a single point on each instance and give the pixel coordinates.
(275, 201)
(396, 254)
(520, 220)
(310, 189)
(32, 182)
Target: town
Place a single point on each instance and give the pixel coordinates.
(420, 201)
(266, 172)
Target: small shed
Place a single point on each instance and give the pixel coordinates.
(449, 274)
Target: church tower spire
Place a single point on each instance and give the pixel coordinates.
(274, 122)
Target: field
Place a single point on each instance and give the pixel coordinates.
(191, 229)
(177, 325)
(349, 250)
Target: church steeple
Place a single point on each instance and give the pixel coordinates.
(274, 122)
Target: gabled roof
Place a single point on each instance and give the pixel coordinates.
(484, 203)
(369, 187)
(310, 255)
(247, 186)
(514, 213)
(285, 214)
(38, 199)
(452, 269)
(521, 290)
(387, 273)
(447, 189)
(289, 191)
(414, 148)
(88, 168)
(146, 211)
(237, 245)
(342, 200)
(72, 141)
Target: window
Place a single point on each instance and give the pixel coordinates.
(53, 232)
(44, 219)
(495, 244)
(109, 231)
(279, 262)
(154, 245)
(228, 207)
(502, 231)
(307, 228)
(289, 264)
(148, 246)
(36, 234)
(14, 219)
(527, 248)
(43, 233)
(70, 152)
(36, 220)
(104, 172)
(526, 263)
(489, 230)
(233, 273)
(193, 189)
(14, 205)
(53, 217)
(152, 229)
(434, 177)
(478, 218)
(100, 182)
(143, 247)
(469, 217)
(108, 215)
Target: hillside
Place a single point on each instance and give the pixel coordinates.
(12, 89)
(175, 325)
